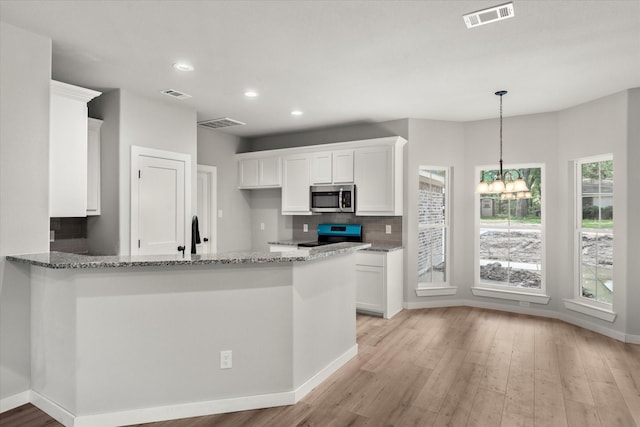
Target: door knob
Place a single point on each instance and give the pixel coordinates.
(181, 248)
(206, 239)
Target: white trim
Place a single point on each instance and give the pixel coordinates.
(52, 409)
(12, 402)
(590, 310)
(136, 152)
(185, 410)
(510, 295)
(325, 373)
(565, 317)
(212, 172)
(73, 92)
(436, 291)
(632, 339)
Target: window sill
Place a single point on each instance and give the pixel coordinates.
(590, 310)
(510, 295)
(433, 291)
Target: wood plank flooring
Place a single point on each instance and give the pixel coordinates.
(457, 366)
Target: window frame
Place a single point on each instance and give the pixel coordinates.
(495, 290)
(578, 230)
(441, 287)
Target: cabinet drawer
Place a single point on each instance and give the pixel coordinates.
(370, 258)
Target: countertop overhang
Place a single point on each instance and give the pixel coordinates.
(61, 260)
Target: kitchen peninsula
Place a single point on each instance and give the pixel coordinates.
(125, 340)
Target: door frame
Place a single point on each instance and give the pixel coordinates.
(136, 152)
(212, 173)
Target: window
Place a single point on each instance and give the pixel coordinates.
(433, 226)
(594, 229)
(510, 251)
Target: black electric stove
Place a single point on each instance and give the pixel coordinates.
(335, 233)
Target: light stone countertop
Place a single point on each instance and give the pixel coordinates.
(61, 260)
(374, 247)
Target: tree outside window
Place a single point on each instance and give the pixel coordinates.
(594, 228)
(511, 235)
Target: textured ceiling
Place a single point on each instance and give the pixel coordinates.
(342, 61)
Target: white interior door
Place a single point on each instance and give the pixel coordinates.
(207, 207)
(160, 202)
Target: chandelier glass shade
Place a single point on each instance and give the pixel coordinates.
(501, 183)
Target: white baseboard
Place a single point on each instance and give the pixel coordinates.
(12, 402)
(632, 339)
(172, 412)
(551, 314)
(325, 373)
(54, 410)
(196, 409)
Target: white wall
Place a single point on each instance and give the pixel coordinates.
(25, 74)
(433, 143)
(143, 122)
(219, 149)
(266, 208)
(593, 128)
(633, 213)
(102, 230)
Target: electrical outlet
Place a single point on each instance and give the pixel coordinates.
(262, 226)
(226, 359)
(219, 213)
(52, 235)
(387, 228)
(305, 228)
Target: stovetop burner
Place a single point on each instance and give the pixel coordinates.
(335, 233)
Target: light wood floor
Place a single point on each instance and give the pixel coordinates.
(456, 366)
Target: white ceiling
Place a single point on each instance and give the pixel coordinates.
(342, 61)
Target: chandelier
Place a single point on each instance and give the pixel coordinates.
(503, 183)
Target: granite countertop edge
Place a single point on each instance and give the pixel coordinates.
(61, 260)
(375, 247)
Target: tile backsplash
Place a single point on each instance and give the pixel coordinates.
(373, 227)
(70, 235)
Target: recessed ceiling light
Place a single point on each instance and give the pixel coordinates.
(183, 66)
(296, 113)
(251, 94)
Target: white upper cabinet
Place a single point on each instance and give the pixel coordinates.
(93, 167)
(373, 165)
(378, 178)
(332, 167)
(68, 153)
(259, 172)
(295, 184)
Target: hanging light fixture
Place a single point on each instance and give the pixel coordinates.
(508, 189)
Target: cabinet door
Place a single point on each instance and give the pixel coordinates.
(295, 185)
(248, 176)
(370, 288)
(343, 167)
(270, 174)
(321, 168)
(93, 167)
(374, 177)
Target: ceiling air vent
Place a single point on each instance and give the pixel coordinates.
(487, 16)
(175, 94)
(222, 122)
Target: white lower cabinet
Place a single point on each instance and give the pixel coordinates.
(379, 285)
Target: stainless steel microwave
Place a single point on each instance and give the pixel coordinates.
(333, 198)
